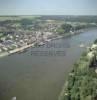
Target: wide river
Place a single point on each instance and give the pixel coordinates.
(40, 73)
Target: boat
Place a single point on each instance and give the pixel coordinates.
(48, 40)
(82, 45)
(41, 43)
(13, 98)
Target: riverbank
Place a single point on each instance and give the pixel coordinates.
(21, 49)
(27, 46)
(81, 82)
(72, 33)
(33, 45)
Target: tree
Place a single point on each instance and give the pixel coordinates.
(95, 42)
(66, 27)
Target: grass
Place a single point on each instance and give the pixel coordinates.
(3, 18)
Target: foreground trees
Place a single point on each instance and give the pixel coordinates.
(82, 85)
(82, 81)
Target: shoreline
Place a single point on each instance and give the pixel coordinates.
(61, 96)
(33, 45)
(90, 55)
(27, 46)
(16, 50)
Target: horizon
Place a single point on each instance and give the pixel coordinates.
(48, 7)
(43, 15)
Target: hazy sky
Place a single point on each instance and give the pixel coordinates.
(46, 7)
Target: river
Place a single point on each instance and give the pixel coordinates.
(38, 75)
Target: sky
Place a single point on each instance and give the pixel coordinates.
(48, 7)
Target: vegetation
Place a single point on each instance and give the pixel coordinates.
(82, 81)
(95, 42)
(2, 35)
(67, 28)
(33, 23)
(87, 19)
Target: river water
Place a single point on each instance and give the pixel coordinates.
(40, 73)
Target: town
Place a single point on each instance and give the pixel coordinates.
(17, 34)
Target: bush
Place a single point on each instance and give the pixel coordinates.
(95, 42)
